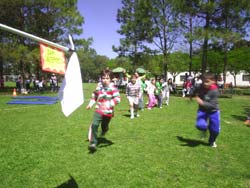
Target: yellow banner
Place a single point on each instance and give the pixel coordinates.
(52, 59)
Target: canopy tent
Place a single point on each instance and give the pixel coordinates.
(118, 70)
(141, 70)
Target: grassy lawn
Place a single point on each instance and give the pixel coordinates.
(40, 148)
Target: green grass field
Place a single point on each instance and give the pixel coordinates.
(40, 148)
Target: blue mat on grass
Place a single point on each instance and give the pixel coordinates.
(33, 100)
(37, 97)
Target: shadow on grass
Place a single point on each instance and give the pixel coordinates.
(247, 111)
(243, 117)
(71, 183)
(191, 142)
(240, 118)
(102, 142)
(126, 115)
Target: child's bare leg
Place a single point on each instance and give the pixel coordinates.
(136, 107)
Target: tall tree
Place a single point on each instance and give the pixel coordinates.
(177, 63)
(207, 9)
(230, 19)
(189, 21)
(239, 59)
(134, 19)
(164, 31)
(49, 19)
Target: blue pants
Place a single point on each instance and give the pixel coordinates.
(213, 126)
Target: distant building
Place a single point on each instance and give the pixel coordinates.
(242, 79)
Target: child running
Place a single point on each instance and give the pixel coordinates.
(208, 115)
(133, 91)
(159, 92)
(106, 96)
(151, 94)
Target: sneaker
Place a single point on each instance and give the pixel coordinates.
(92, 147)
(132, 117)
(214, 145)
(137, 115)
(149, 108)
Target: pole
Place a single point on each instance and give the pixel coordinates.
(38, 39)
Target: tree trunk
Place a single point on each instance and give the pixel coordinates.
(225, 54)
(234, 80)
(225, 64)
(205, 43)
(190, 45)
(165, 66)
(1, 64)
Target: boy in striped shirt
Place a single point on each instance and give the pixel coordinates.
(132, 92)
(106, 96)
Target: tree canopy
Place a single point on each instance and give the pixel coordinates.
(159, 35)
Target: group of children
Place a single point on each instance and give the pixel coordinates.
(106, 96)
(156, 90)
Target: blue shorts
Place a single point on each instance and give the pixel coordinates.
(212, 117)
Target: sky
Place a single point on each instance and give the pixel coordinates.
(100, 24)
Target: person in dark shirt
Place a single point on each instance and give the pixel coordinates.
(208, 114)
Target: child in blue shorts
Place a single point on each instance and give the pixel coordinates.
(208, 114)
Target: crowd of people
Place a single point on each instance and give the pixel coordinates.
(33, 84)
(157, 91)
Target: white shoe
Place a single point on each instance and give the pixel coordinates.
(137, 115)
(214, 145)
(132, 117)
(92, 147)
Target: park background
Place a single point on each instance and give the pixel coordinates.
(42, 148)
(164, 37)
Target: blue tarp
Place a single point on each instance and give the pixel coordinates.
(33, 100)
(37, 97)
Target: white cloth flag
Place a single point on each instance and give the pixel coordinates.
(71, 91)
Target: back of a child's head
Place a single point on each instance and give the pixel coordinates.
(209, 76)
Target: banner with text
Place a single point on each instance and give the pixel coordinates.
(52, 59)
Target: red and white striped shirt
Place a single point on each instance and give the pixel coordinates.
(105, 97)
